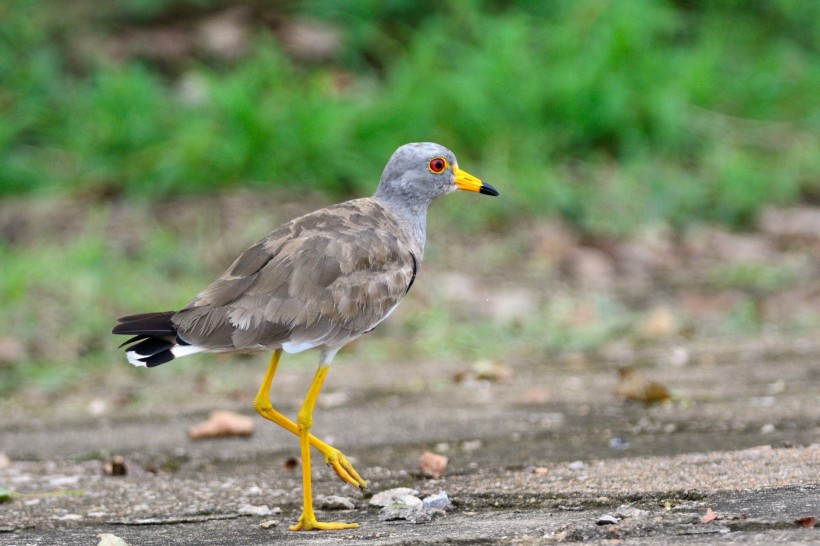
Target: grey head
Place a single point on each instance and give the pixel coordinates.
(419, 172)
(416, 174)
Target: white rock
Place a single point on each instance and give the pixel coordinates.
(389, 496)
(260, 510)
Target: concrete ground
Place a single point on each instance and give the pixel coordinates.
(541, 455)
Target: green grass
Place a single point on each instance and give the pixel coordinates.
(612, 114)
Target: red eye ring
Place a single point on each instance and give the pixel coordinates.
(437, 165)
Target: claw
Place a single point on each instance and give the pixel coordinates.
(336, 460)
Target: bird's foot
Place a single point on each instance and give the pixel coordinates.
(336, 459)
(310, 524)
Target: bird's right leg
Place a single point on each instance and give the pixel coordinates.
(333, 457)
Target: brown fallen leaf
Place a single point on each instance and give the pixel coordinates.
(432, 464)
(115, 466)
(659, 323)
(290, 464)
(485, 370)
(806, 523)
(632, 385)
(710, 516)
(536, 395)
(222, 423)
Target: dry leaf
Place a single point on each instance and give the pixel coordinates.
(710, 516)
(659, 323)
(115, 466)
(632, 385)
(222, 423)
(806, 523)
(536, 395)
(432, 464)
(485, 370)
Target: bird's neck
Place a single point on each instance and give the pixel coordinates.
(411, 216)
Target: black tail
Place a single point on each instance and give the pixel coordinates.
(156, 335)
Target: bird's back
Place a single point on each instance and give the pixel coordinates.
(320, 280)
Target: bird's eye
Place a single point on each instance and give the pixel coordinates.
(437, 165)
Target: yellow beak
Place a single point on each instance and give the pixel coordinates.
(466, 181)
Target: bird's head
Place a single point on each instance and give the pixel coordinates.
(419, 172)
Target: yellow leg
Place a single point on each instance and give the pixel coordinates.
(307, 521)
(333, 457)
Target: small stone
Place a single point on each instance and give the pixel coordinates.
(411, 514)
(107, 539)
(607, 519)
(389, 496)
(710, 516)
(616, 442)
(577, 465)
(407, 500)
(335, 502)
(438, 501)
(97, 407)
(290, 464)
(432, 464)
(268, 523)
(625, 511)
(5, 462)
(69, 517)
(257, 510)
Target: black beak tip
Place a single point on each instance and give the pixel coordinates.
(486, 189)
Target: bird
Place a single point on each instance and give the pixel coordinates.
(317, 282)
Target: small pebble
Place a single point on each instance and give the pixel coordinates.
(68, 517)
(411, 514)
(607, 519)
(253, 510)
(618, 443)
(268, 523)
(407, 500)
(577, 465)
(631, 512)
(439, 501)
(432, 464)
(107, 539)
(335, 502)
(387, 497)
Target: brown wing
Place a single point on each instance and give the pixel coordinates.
(319, 280)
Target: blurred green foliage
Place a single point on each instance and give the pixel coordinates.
(611, 113)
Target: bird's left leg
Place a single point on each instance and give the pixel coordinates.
(304, 419)
(333, 457)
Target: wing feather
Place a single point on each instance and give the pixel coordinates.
(322, 280)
